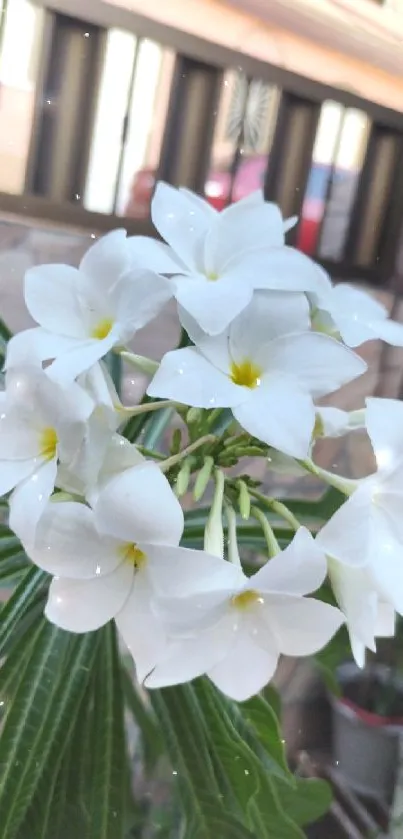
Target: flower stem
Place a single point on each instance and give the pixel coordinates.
(176, 458)
(273, 546)
(147, 407)
(344, 485)
(277, 507)
(140, 362)
(233, 552)
(214, 531)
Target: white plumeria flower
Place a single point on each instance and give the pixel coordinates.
(40, 422)
(367, 530)
(96, 464)
(236, 628)
(83, 313)
(367, 616)
(108, 562)
(353, 314)
(334, 422)
(218, 259)
(265, 367)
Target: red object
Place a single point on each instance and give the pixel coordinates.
(369, 718)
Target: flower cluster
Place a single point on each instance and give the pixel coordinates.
(267, 336)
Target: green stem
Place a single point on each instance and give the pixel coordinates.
(344, 485)
(176, 458)
(140, 362)
(273, 546)
(276, 507)
(233, 552)
(147, 407)
(150, 453)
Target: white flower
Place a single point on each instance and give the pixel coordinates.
(218, 259)
(353, 314)
(367, 616)
(106, 563)
(236, 628)
(333, 422)
(265, 367)
(83, 313)
(39, 423)
(367, 530)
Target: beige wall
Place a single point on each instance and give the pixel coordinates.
(218, 22)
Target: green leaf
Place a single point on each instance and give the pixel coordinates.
(20, 602)
(261, 717)
(155, 427)
(145, 720)
(248, 775)
(5, 333)
(321, 509)
(110, 774)
(52, 681)
(308, 801)
(189, 749)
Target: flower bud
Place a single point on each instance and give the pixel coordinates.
(203, 478)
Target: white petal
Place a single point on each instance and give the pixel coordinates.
(321, 364)
(387, 565)
(184, 375)
(347, 535)
(213, 303)
(12, 472)
(357, 597)
(202, 205)
(85, 605)
(244, 226)
(358, 650)
(141, 629)
(106, 260)
(384, 423)
(188, 658)
(385, 626)
(51, 297)
(155, 256)
(245, 670)
(140, 296)
(179, 572)
(29, 500)
(269, 315)
(355, 314)
(68, 545)
(281, 269)
(19, 440)
(299, 569)
(389, 331)
(301, 625)
(139, 506)
(181, 222)
(279, 414)
(214, 347)
(69, 365)
(32, 346)
(335, 422)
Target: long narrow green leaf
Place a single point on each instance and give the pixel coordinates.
(156, 426)
(5, 332)
(20, 602)
(51, 685)
(110, 779)
(145, 720)
(264, 722)
(307, 802)
(190, 752)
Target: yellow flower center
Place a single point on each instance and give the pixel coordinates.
(48, 443)
(212, 276)
(246, 373)
(102, 329)
(132, 553)
(246, 599)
